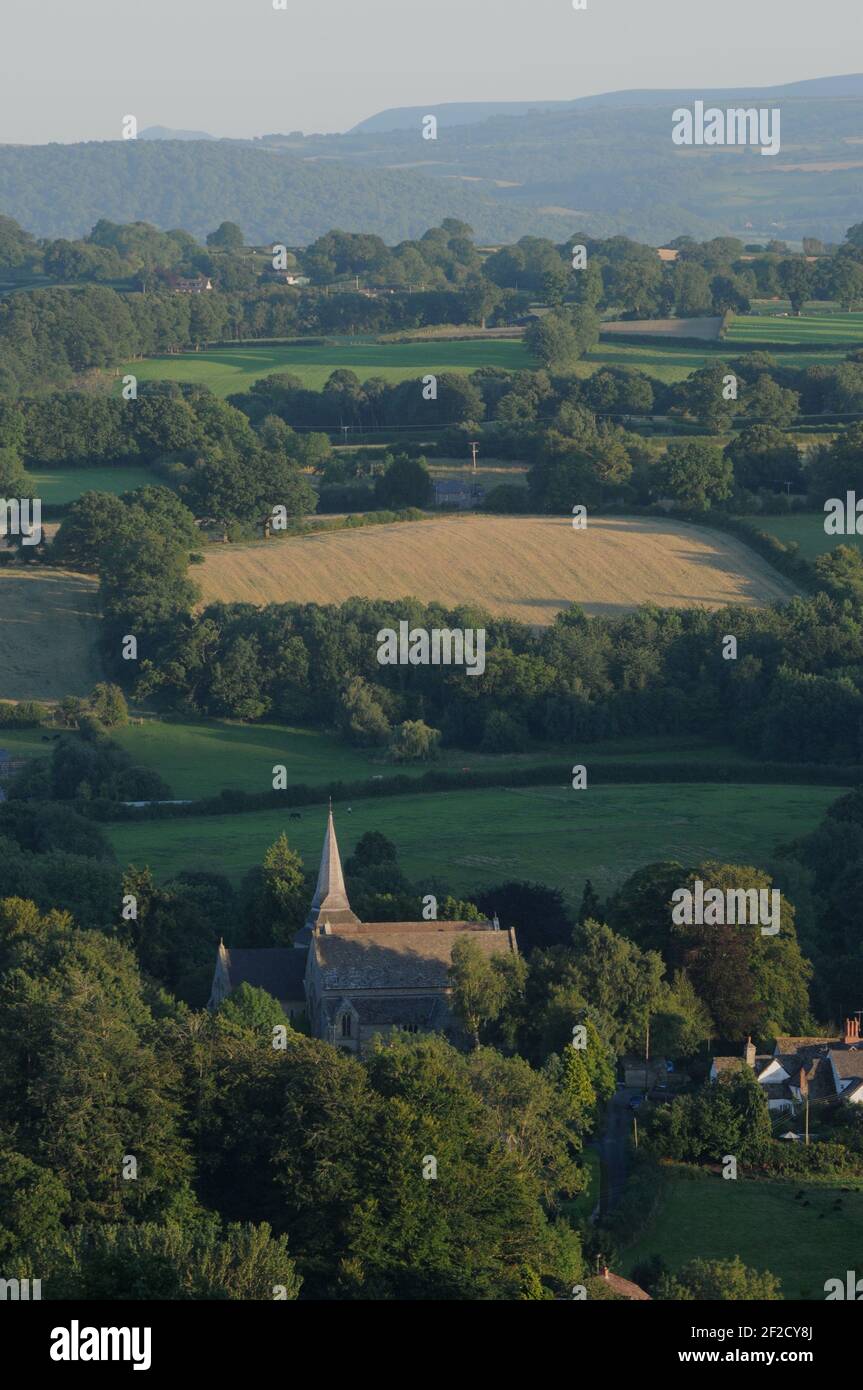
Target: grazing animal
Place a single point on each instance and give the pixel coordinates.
(45, 738)
(295, 815)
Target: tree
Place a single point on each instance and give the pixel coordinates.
(723, 1280)
(362, 716)
(694, 473)
(763, 456)
(227, 237)
(406, 483)
(557, 340)
(478, 989)
(108, 704)
(537, 913)
(413, 741)
(795, 277)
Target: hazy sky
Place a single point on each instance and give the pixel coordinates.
(72, 69)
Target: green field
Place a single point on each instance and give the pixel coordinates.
(808, 328)
(473, 839)
(807, 529)
(202, 759)
(56, 486)
(763, 1224)
(226, 370)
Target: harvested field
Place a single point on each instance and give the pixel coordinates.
(707, 328)
(529, 568)
(49, 628)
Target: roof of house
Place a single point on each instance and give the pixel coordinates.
(624, 1287)
(277, 969)
(399, 955)
(848, 1065)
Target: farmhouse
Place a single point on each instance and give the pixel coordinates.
(355, 979)
(801, 1068)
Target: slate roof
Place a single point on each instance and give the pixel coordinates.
(848, 1065)
(278, 969)
(423, 1011)
(398, 955)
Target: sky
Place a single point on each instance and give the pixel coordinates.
(71, 70)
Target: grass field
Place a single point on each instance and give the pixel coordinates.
(529, 568)
(473, 839)
(48, 634)
(202, 759)
(226, 370)
(808, 328)
(763, 1224)
(56, 486)
(807, 529)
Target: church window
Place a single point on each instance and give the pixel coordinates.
(346, 1025)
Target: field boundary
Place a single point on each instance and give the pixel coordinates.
(601, 774)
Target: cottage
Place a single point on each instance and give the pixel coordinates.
(803, 1068)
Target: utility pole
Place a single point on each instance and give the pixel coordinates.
(635, 1127)
(474, 445)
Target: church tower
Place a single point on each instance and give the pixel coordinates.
(330, 903)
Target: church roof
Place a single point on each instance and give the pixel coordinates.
(277, 969)
(399, 955)
(423, 1011)
(330, 903)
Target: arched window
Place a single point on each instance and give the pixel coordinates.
(346, 1025)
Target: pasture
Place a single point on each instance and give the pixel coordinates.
(229, 369)
(59, 486)
(763, 1224)
(806, 529)
(49, 627)
(808, 328)
(201, 759)
(528, 568)
(473, 839)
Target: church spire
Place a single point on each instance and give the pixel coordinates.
(330, 902)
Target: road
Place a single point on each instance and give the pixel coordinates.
(612, 1146)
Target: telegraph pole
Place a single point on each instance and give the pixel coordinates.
(474, 445)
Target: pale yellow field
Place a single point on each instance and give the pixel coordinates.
(524, 567)
(49, 627)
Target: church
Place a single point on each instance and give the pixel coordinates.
(350, 979)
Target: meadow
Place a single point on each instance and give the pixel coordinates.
(763, 1224)
(808, 328)
(473, 839)
(57, 486)
(806, 529)
(203, 758)
(230, 369)
(49, 628)
(529, 568)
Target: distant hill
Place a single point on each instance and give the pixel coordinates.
(62, 191)
(163, 132)
(451, 113)
(601, 165)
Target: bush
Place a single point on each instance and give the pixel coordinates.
(506, 498)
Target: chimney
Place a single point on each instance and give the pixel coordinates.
(749, 1053)
(803, 1082)
(852, 1032)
